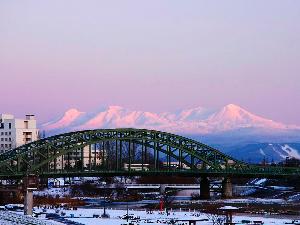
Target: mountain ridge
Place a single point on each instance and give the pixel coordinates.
(196, 120)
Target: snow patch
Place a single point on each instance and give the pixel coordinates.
(261, 181)
(291, 152)
(262, 152)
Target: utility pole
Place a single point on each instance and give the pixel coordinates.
(127, 203)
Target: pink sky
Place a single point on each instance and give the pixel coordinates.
(154, 55)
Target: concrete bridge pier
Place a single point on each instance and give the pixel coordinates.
(28, 201)
(227, 188)
(30, 183)
(204, 188)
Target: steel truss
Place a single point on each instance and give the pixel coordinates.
(128, 152)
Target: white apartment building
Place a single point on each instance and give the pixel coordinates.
(72, 157)
(16, 132)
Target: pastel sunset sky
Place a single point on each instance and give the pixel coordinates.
(157, 55)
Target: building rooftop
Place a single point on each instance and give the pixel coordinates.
(6, 116)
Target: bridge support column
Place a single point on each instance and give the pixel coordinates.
(162, 189)
(227, 188)
(28, 201)
(30, 183)
(204, 188)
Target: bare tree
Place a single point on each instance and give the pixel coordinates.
(216, 219)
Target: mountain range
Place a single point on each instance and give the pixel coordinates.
(231, 127)
(191, 121)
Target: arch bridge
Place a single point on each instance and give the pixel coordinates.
(127, 152)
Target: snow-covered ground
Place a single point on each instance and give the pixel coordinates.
(85, 216)
(253, 200)
(62, 192)
(12, 218)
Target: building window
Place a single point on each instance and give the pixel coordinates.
(9, 133)
(1, 125)
(5, 133)
(9, 125)
(26, 124)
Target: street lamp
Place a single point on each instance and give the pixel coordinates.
(127, 203)
(104, 215)
(104, 209)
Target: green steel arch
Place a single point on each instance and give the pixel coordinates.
(128, 152)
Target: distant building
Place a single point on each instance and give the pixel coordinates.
(16, 132)
(86, 158)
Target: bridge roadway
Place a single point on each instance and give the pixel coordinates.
(117, 152)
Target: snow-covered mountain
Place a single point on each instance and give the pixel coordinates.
(198, 120)
(232, 116)
(66, 120)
